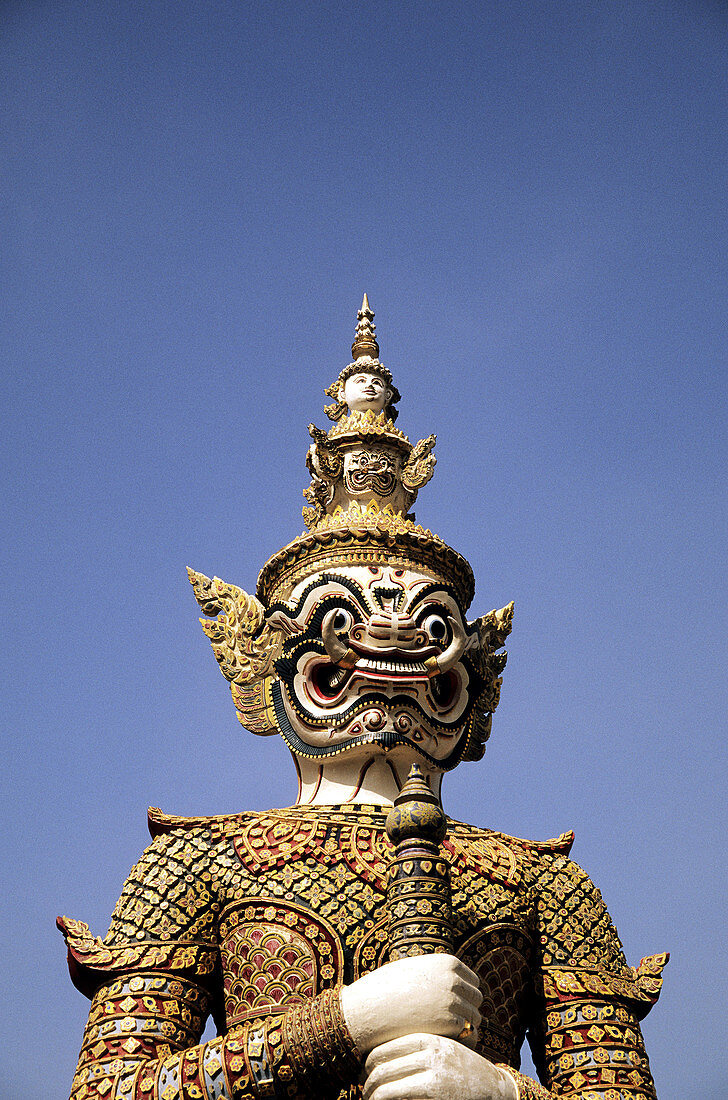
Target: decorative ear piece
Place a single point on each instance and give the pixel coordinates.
(244, 644)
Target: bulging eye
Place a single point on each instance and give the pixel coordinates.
(343, 620)
(436, 628)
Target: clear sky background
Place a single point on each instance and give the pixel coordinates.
(194, 197)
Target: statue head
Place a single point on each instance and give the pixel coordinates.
(357, 642)
(364, 390)
(365, 384)
(375, 655)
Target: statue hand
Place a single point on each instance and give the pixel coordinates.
(430, 1067)
(437, 994)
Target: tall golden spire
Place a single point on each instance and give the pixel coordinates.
(365, 342)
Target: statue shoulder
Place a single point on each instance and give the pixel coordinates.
(161, 824)
(560, 845)
(575, 930)
(512, 861)
(581, 952)
(165, 918)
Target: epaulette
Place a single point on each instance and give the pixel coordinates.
(640, 986)
(496, 855)
(92, 961)
(560, 845)
(160, 823)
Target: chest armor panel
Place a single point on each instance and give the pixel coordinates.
(310, 914)
(274, 955)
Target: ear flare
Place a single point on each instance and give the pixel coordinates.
(450, 656)
(339, 653)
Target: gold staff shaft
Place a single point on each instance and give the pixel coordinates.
(419, 896)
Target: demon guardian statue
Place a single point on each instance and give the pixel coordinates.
(342, 952)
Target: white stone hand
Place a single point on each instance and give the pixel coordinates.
(437, 994)
(431, 1067)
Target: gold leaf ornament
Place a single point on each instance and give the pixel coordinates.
(420, 464)
(244, 645)
(492, 630)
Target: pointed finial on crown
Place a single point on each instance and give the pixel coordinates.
(365, 342)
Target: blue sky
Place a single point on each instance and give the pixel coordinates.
(194, 198)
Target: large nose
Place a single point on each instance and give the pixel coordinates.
(392, 630)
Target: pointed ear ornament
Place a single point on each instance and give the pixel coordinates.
(245, 647)
(490, 633)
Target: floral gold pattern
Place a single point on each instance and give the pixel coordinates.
(295, 905)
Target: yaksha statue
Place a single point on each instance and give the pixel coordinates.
(339, 951)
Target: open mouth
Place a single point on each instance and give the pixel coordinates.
(388, 738)
(328, 682)
(373, 666)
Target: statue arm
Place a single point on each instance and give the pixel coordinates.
(142, 1043)
(142, 1038)
(585, 1035)
(589, 1042)
(154, 980)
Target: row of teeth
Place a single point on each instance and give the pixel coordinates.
(390, 666)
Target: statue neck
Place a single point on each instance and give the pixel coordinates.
(375, 779)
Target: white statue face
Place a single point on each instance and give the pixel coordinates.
(364, 390)
(359, 671)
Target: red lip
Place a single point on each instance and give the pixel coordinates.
(393, 654)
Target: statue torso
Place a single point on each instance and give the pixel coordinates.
(294, 902)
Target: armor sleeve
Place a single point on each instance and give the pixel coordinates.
(585, 1036)
(154, 980)
(142, 1043)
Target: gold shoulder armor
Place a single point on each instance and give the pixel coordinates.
(160, 823)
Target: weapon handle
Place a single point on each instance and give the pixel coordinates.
(419, 896)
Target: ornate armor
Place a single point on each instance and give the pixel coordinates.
(257, 919)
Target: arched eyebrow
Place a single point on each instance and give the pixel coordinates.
(294, 609)
(434, 589)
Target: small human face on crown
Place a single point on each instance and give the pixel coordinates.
(364, 390)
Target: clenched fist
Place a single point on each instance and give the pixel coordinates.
(430, 1067)
(433, 994)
